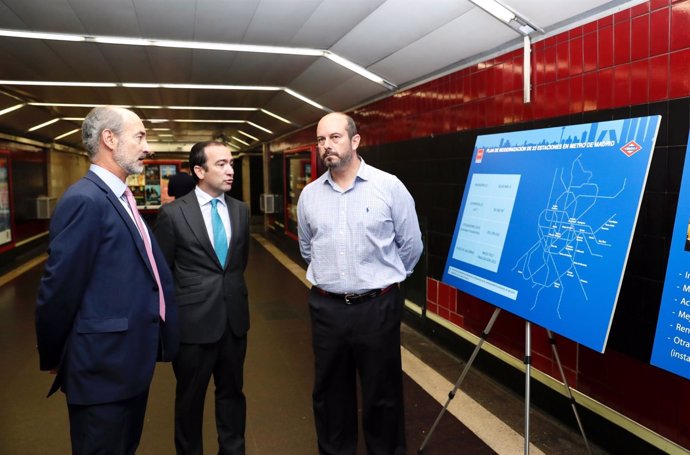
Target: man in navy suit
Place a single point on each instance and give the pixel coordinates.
(204, 236)
(101, 323)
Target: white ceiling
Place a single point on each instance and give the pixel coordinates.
(403, 41)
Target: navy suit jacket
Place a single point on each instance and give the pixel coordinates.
(97, 317)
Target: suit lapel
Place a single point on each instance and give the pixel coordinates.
(233, 213)
(126, 218)
(191, 211)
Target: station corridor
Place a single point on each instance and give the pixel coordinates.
(278, 380)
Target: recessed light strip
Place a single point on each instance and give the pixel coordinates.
(306, 100)
(260, 127)
(228, 47)
(239, 140)
(276, 116)
(67, 134)
(38, 127)
(359, 70)
(12, 108)
(248, 135)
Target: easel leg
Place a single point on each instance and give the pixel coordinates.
(451, 394)
(528, 375)
(552, 340)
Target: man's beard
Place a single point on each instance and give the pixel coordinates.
(342, 161)
(129, 166)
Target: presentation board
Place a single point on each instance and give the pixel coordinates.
(671, 349)
(546, 221)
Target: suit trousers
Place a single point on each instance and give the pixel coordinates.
(361, 338)
(108, 428)
(193, 367)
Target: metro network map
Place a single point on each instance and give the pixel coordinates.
(546, 221)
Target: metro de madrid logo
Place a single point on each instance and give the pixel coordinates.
(631, 148)
(480, 155)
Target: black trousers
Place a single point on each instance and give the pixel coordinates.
(193, 367)
(364, 339)
(109, 428)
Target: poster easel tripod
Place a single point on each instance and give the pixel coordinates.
(528, 370)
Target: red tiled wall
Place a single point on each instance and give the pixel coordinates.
(636, 56)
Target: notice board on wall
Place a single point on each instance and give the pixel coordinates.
(546, 222)
(671, 349)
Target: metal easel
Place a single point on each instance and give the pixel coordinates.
(528, 371)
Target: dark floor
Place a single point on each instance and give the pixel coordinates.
(278, 380)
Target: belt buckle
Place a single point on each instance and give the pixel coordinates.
(348, 297)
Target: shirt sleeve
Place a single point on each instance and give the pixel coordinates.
(303, 230)
(408, 236)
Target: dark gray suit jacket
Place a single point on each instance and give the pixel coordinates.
(209, 295)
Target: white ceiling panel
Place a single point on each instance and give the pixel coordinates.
(330, 22)
(466, 36)
(395, 25)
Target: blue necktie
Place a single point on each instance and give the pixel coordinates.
(220, 239)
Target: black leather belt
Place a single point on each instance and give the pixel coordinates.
(356, 298)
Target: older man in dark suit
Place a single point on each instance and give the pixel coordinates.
(105, 309)
(204, 236)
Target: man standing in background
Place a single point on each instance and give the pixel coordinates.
(204, 236)
(181, 183)
(359, 233)
(106, 308)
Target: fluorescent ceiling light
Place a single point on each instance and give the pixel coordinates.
(496, 9)
(239, 140)
(185, 108)
(170, 86)
(220, 87)
(38, 127)
(306, 100)
(196, 120)
(12, 108)
(211, 108)
(69, 105)
(248, 135)
(228, 47)
(276, 116)
(509, 17)
(260, 127)
(359, 70)
(67, 134)
(40, 35)
(59, 84)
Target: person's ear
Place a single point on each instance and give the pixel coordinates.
(109, 139)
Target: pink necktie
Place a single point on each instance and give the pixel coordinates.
(149, 252)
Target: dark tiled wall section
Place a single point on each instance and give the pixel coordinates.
(633, 63)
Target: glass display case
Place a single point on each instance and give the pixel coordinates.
(5, 216)
(150, 189)
(300, 169)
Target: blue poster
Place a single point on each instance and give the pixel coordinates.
(546, 222)
(672, 340)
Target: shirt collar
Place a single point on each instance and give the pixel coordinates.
(116, 185)
(362, 173)
(205, 198)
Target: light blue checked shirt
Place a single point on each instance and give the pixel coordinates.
(360, 238)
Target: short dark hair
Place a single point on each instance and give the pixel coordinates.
(197, 156)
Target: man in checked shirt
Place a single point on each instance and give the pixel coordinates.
(359, 233)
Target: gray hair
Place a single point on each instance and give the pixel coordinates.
(100, 118)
